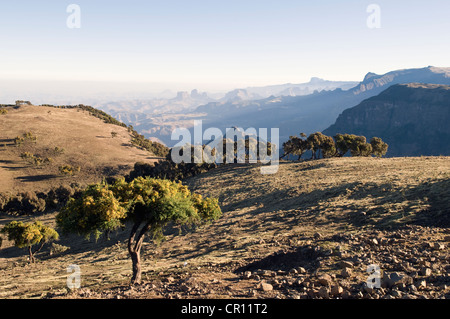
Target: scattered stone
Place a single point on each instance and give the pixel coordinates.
(325, 280)
(346, 272)
(425, 271)
(391, 279)
(317, 235)
(293, 271)
(345, 264)
(336, 290)
(421, 284)
(264, 286)
(247, 275)
(301, 270)
(324, 292)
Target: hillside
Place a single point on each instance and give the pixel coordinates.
(412, 118)
(309, 231)
(59, 137)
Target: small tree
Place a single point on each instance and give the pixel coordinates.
(295, 146)
(29, 235)
(379, 148)
(319, 142)
(150, 204)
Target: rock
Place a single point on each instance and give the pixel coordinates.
(392, 279)
(324, 292)
(396, 293)
(269, 273)
(325, 280)
(293, 271)
(299, 282)
(256, 277)
(425, 271)
(336, 290)
(368, 289)
(447, 238)
(421, 284)
(345, 264)
(185, 288)
(247, 275)
(317, 235)
(346, 272)
(301, 270)
(170, 279)
(264, 286)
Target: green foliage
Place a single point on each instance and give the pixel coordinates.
(166, 169)
(156, 148)
(379, 148)
(58, 150)
(3, 111)
(94, 212)
(36, 160)
(319, 143)
(69, 170)
(103, 207)
(151, 204)
(295, 146)
(23, 203)
(29, 234)
(26, 137)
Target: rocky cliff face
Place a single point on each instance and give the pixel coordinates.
(412, 118)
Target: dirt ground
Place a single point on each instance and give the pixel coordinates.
(309, 231)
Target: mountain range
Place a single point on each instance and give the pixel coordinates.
(314, 112)
(412, 118)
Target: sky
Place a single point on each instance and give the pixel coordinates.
(217, 45)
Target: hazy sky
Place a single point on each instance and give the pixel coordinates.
(219, 44)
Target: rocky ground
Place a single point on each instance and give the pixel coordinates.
(413, 263)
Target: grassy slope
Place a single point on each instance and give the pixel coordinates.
(262, 214)
(86, 140)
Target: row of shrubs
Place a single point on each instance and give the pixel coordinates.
(28, 203)
(324, 146)
(167, 169)
(155, 148)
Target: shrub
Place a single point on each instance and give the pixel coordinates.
(69, 170)
(156, 148)
(379, 148)
(29, 235)
(150, 204)
(3, 111)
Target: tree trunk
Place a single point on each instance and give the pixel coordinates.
(134, 248)
(31, 255)
(137, 271)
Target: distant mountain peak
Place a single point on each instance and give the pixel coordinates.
(316, 80)
(369, 76)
